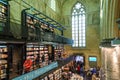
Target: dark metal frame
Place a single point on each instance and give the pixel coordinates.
(6, 29)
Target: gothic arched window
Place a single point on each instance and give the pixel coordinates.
(53, 4)
(78, 26)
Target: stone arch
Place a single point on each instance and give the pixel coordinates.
(67, 10)
(76, 3)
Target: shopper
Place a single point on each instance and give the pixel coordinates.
(94, 70)
(27, 65)
(94, 76)
(88, 75)
(98, 71)
(82, 72)
(78, 69)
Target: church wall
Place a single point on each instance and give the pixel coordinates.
(92, 28)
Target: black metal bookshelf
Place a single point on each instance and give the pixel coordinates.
(4, 18)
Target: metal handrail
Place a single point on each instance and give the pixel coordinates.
(59, 26)
(3, 2)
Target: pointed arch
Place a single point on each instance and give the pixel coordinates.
(78, 25)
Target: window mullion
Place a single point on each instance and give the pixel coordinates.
(78, 26)
(78, 29)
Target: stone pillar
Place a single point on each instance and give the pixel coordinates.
(113, 18)
(110, 57)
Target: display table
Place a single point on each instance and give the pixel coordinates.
(76, 77)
